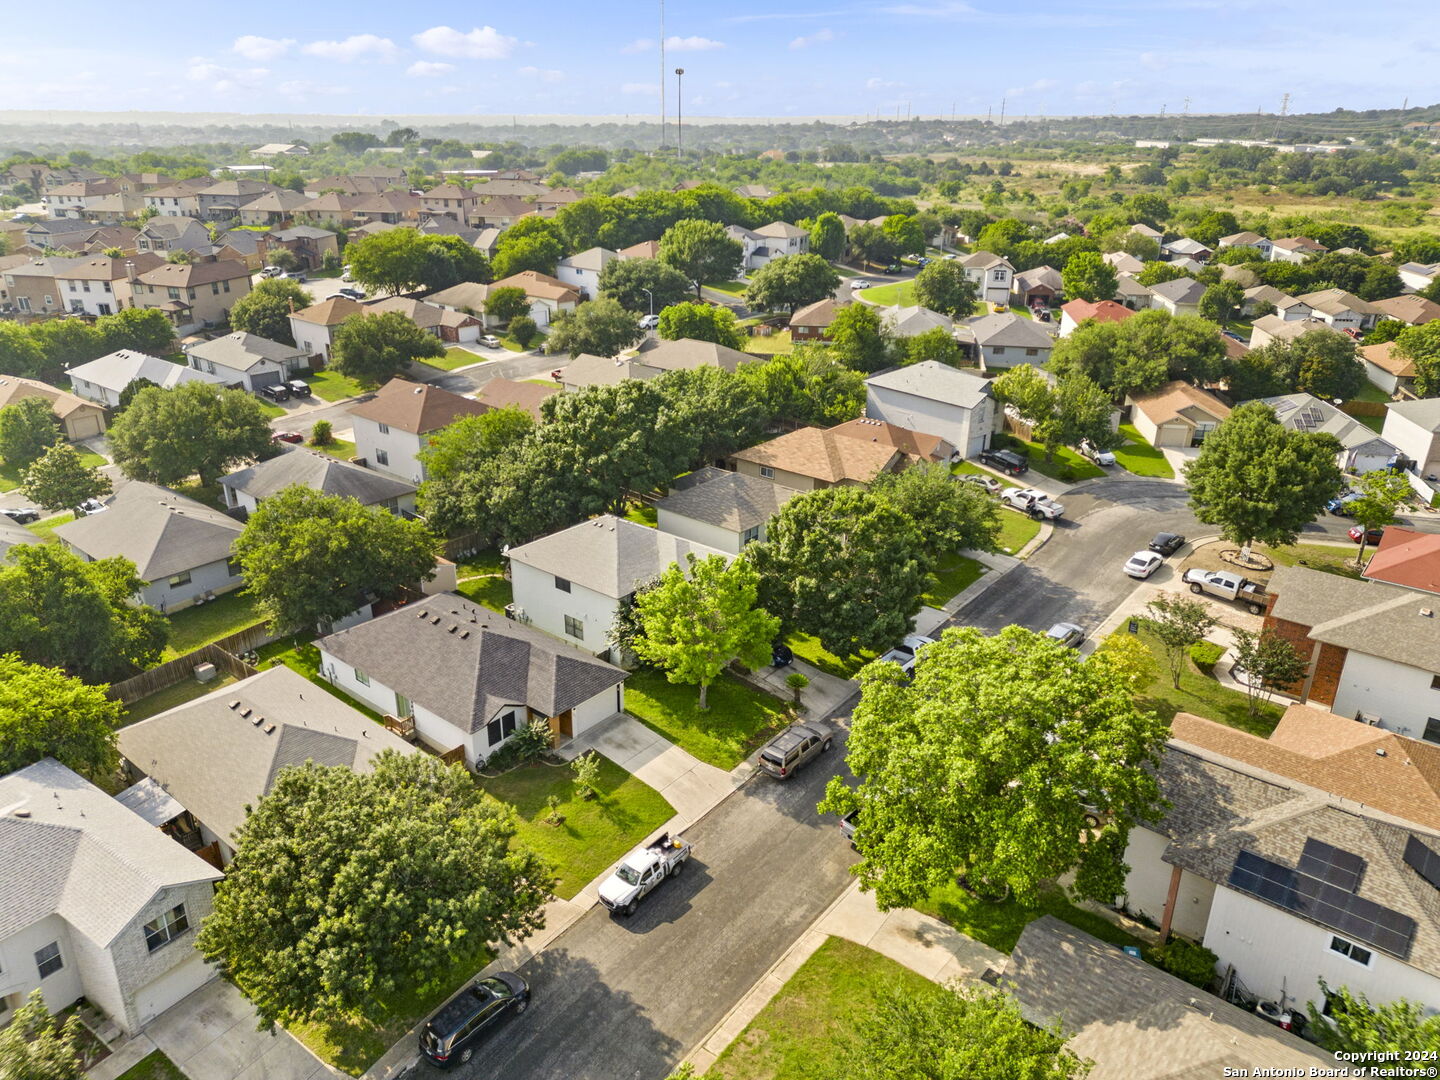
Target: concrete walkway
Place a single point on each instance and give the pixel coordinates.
(823, 696)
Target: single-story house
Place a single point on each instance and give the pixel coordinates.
(721, 509)
(812, 322)
(811, 458)
(1177, 414)
(99, 903)
(1141, 229)
(246, 488)
(587, 369)
(959, 406)
(1247, 239)
(393, 427)
(313, 328)
(1122, 262)
(1406, 557)
(646, 249)
(687, 354)
(1387, 369)
(104, 380)
(1418, 276)
(1131, 294)
(12, 533)
(1286, 306)
(1295, 249)
(182, 549)
(1363, 450)
(1005, 340)
(1042, 285)
(1414, 310)
(907, 322)
(548, 296)
(582, 271)
(468, 297)
(79, 419)
(469, 677)
(247, 360)
(273, 208)
(449, 326)
(1270, 328)
(1075, 312)
(1185, 248)
(1178, 297)
(515, 394)
(1342, 310)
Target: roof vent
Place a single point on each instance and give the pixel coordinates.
(451, 629)
(464, 634)
(269, 729)
(422, 613)
(1427, 613)
(22, 813)
(1380, 751)
(246, 713)
(235, 704)
(435, 620)
(418, 390)
(258, 721)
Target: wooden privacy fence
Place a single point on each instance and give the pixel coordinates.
(166, 675)
(1363, 408)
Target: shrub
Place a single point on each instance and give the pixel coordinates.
(587, 773)
(322, 433)
(1206, 654)
(523, 329)
(528, 743)
(796, 682)
(1185, 960)
(330, 263)
(552, 810)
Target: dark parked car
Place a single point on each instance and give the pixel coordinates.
(275, 392)
(1372, 536)
(1167, 543)
(1007, 461)
(287, 437)
(23, 515)
(781, 655)
(1340, 505)
(794, 747)
(299, 388)
(450, 1036)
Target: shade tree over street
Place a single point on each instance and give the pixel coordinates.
(600, 327)
(1382, 493)
(790, 282)
(702, 251)
(194, 429)
(627, 281)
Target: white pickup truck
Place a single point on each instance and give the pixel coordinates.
(642, 870)
(1032, 501)
(1227, 586)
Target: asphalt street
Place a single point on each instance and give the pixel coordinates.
(625, 999)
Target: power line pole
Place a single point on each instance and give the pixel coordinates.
(662, 74)
(1284, 108)
(679, 112)
(1184, 115)
(1002, 111)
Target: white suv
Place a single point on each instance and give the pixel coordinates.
(907, 651)
(1032, 501)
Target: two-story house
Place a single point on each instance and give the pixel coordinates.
(994, 276)
(452, 201)
(313, 328)
(959, 406)
(167, 234)
(272, 208)
(192, 295)
(1295, 249)
(1342, 310)
(1250, 240)
(721, 509)
(177, 200)
(91, 286)
(1413, 428)
(776, 240)
(582, 272)
(393, 427)
(222, 201)
(1006, 340)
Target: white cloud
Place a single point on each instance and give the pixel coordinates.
(806, 40)
(879, 84)
(301, 89)
(224, 79)
(692, 44)
(549, 75)
(641, 88)
(428, 69)
(253, 47)
(1037, 87)
(481, 43)
(643, 44)
(353, 48)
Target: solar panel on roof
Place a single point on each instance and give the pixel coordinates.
(1330, 864)
(1422, 860)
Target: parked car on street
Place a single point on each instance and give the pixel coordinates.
(783, 755)
(271, 271)
(1341, 503)
(1372, 536)
(1142, 564)
(905, 653)
(642, 870)
(649, 322)
(91, 506)
(1227, 586)
(1067, 634)
(1007, 461)
(21, 515)
(1034, 502)
(989, 483)
(287, 437)
(299, 388)
(1092, 452)
(450, 1037)
(352, 294)
(275, 392)
(859, 283)
(1166, 543)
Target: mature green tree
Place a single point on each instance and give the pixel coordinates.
(1213, 226)
(858, 338)
(1383, 331)
(936, 344)
(283, 259)
(1221, 302)
(507, 303)
(1382, 493)
(21, 355)
(1178, 623)
(62, 612)
(1025, 389)
(951, 516)
(46, 713)
(373, 349)
(59, 478)
(1354, 1025)
(1157, 273)
(600, 327)
(694, 622)
(349, 889)
(27, 429)
(872, 245)
(265, 310)
(1269, 662)
(954, 1033)
(1087, 276)
(1083, 411)
(536, 251)
(1258, 480)
(127, 395)
(1092, 349)
(310, 558)
(791, 281)
(67, 342)
(1266, 371)
(1188, 345)
(1421, 346)
(944, 286)
(702, 322)
(471, 441)
(806, 386)
(827, 236)
(905, 233)
(845, 565)
(142, 329)
(38, 1046)
(987, 765)
(644, 286)
(1326, 365)
(405, 259)
(702, 251)
(194, 429)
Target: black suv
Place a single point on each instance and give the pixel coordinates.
(275, 392)
(299, 388)
(1007, 461)
(450, 1036)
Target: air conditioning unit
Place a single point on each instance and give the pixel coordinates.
(1368, 718)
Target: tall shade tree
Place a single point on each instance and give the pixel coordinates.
(46, 713)
(872, 245)
(644, 286)
(507, 302)
(951, 516)
(21, 355)
(539, 252)
(60, 478)
(906, 234)
(27, 429)
(62, 612)
(1382, 493)
(265, 310)
(702, 251)
(1418, 344)
(806, 386)
(1355, 1025)
(1258, 480)
(858, 338)
(702, 322)
(790, 281)
(987, 765)
(471, 441)
(600, 327)
(937, 344)
(311, 558)
(142, 329)
(694, 622)
(349, 889)
(827, 236)
(844, 565)
(38, 1046)
(942, 285)
(1327, 366)
(1089, 277)
(404, 260)
(1221, 302)
(373, 349)
(194, 429)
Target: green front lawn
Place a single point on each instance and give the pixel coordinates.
(332, 386)
(954, 574)
(898, 292)
(810, 650)
(270, 409)
(1016, 530)
(1329, 558)
(154, 1066)
(172, 696)
(1067, 466)
(45, 527)
(304, 658)
(801, 1033)
(454, 358)
(508, 342)
(1200, 694)
(595, 833)
(1371, 392)
(10, 477)
(336, 448)
(491, 591)
(739, 720)
(771, 344)
(1140, 457)
(729, 288)
(1000, 925)
(197, 626)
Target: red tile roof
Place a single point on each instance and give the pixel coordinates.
(1406, 557)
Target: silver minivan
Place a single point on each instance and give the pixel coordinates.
(794, 747)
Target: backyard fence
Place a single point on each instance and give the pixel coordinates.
(1363, 408)
(176, 671)
(457, 547)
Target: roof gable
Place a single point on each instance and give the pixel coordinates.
(418, 408)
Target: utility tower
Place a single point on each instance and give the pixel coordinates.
(1284, 108)
(662, 74)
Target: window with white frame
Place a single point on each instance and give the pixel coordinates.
(574, 628)
(1350, 950)
(166, 928)
(767, 472)
(48, 959)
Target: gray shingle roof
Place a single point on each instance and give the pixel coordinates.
(687, 353)
(911, 321)
(728, 500)
(1180, 291)
(1306, 412)
(1425, 412)
(12, 533)
(1370, 617)
(464, 662)
(213, 759)
(936, 382)
(318, 472)
(80, 854)
(241, 351)
(608, 555)
(119, 369)
(161, 532)
(1008, 329)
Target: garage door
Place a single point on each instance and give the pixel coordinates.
(156, 997)
(85, 425)
(265, 378)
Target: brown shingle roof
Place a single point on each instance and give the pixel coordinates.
(188, 275)
(62, 403)
(330, 312)
(1172, 399)
(915, 444)
(1415, 310)
(823, 455)
(646, 249)
(416, 407)
(512, 394)
(820, 314)
(1384, 357)
(541, 286)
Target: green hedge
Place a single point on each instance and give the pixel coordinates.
(1206, 654)
(1185, 960)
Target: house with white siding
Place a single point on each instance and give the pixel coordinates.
(957, 405)
(1361, 451)
(582, 271)
(721, 509)
(314, 327)
(993, 274)
(247, 360)
(105, 379)
(396, 424)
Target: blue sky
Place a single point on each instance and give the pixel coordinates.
(742, 58)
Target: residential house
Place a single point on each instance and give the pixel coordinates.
(313, 328)
(571, 583)
(1185, 248)
(9, 262)
(468, 297)
(182, 549)
(272, 208)
(1246, 239)
(203, 765)
(447, 325)
(331, 208)
(11, 534)
(1042, 285)
(721, 509)
(1295, 249)
(246, 245)
(1003, 341)
(907, 322)
(177, 233)
(1112, 1005)
(1075, 312)
(1387, 369)
(75, 199)
(812, 322)
(1178, 297)
(471, 678)
(59, 235)
(1413, 310)
(582, 272)
(1406, 557)
(92, 286)
(310, 244)
(222, 201)
(516, 394)
(1131, 294)
(587, 369)
(1123, 262)
(917, 446)
(192, 295)
(31, 287)
(177, 200)
(1418, 276)
(452, 201)
(396, 424)
(247, 360)
(1141, 229)
(1414, 427)
(811, 458)
(1372, 648)
(402, 208)
(992, 274)
(777, 239)
(646, 249)
(958, 406)
(686, 354)
(280, 150)
(1270, 328)
(1286, 306)
(1342, 310)
(246, 488)
(548, 296)
(99, 904)
(79, 419)
(1363, 450)
(103, 380)
(500, 211)
(749, 242)
(1176, 415)
(754, 191)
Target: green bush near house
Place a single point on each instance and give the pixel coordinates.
(1205, 655)
(1185, 960)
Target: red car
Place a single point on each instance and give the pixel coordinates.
(287, 436)
(1371, 537)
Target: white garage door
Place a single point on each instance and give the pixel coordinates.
(152, 1000)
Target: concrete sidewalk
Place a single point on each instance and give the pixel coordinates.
(996, 567)
(823, 696)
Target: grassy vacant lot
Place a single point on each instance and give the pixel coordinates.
(10, 477)
(154, 1066)
(810, 650)
(1140, 457)
(739, 720)
(800, 1034)
(45, 527)
(899, 292)
(595, 832)
(1330, 558)
(955, 573)
(304, 658)
(170, 697)
(197, 626)
(769, 345)
(1000, 925)
(332, 386)
(1200, 694)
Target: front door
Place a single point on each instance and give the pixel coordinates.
(403, 708)
(567, 724)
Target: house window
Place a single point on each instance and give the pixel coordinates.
(1351, 950)
(563, 584)
(226, 285)
(182, 578)
(998, 275)
(999, 350)
(232, 566)
(361, 677)
(166, 928)
(1032, 352)
(1432, 730)
(766, 472)
(574, 628)
(384, 429)
(215, 288)
(750, 535)
(500, 729)
(1435, 682)
(48, 959)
